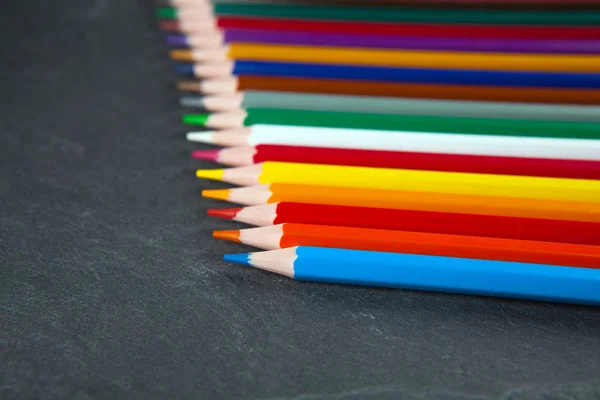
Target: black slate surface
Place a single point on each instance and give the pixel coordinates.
(111, 286)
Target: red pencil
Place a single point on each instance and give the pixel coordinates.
(376, 28)
(247, 155)
(417, 221)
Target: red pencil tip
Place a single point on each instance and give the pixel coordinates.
(209, 155)
(227, 213)
(168, 25)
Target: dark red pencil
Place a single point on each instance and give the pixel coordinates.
(375, 28)
(417, 221)
(247, 155)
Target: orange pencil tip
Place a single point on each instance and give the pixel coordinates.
(181, 55)
(227, 213)
(231, 235)
(219, 194)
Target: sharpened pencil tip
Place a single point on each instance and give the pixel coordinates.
(169, 25)
(227, 213)
(184, 69)
(230, 235)
(176, 40)
(214, 174)
(243, 259)
(195, 119)
(219, 194)
(181, 55)
(202, 137)
(208, 155)
(166, 12)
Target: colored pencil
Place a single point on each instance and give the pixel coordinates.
(546, 230)
(569, 4)
(392, 74)
(394, 106)
(434, 244)
(397, 199)
(472, 31)
(388, 122)
(243, 156)
(237, 35)
(414, 15)
(393, 89)
(430, 273)
(393, 58)
(445, 143)
(403, 179)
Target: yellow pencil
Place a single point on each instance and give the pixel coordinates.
(409, 180)
(395, 58)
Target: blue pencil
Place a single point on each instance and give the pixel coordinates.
(430, 273)
(412, 75)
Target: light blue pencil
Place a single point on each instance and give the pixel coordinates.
(430, 273)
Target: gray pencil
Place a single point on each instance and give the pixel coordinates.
(390, 105)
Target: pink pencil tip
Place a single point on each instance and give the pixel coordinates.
(209, 155)
(227, 213)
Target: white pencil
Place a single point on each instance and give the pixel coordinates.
(444, 143)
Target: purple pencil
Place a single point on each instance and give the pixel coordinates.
(233, 35)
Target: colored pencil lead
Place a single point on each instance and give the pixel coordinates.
(200, 137)
(169, 25)
(230, 235)
(222, 120)
(227, 137)
(176, 40)
(185, 69)
(225, 213)
(196, 13)
(242, 259)
(236, 156)
(226, 86)
(262, 194)
(231, 102)
(218, 194)
(208, 155)
(195, 119)
(214, 174)
(215, 55)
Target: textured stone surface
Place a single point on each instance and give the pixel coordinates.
(111, 286)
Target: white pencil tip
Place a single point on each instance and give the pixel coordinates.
(201, 137)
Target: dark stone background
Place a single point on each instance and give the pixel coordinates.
(111, 286)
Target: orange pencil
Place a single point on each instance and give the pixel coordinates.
(423, 201)
(291, 234)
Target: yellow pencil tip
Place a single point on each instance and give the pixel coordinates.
(232, 235)
(219, 194)
(214, 174)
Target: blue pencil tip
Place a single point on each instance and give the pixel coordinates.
(243, 259)
(185, 69)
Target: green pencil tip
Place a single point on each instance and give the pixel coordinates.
(196, 119)
(166, 12)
